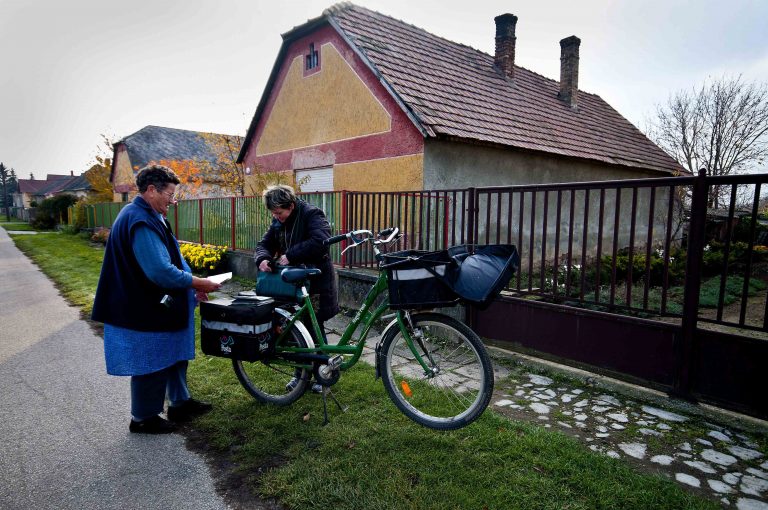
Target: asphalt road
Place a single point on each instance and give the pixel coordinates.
(64, 440)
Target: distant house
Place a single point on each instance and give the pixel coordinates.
(358, 100)
(209, 158)
(36, 190)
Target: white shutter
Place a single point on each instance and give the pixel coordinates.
(320, 179)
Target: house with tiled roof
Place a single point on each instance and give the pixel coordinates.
(358, 100)
(204, 161)
(36, 190)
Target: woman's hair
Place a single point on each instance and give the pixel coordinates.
(157, 175)
(281, 196)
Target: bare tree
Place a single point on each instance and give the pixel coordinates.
(721, 126)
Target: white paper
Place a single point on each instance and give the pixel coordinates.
(220, 278)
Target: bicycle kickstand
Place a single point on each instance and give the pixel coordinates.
(328, 393)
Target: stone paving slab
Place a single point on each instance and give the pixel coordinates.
(719, 461)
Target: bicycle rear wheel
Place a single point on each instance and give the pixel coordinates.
(274, 382)
(458, 385)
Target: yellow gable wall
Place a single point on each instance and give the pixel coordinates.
(403, 173)
(331, 105)
(123, 170)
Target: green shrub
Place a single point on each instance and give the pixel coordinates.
(734, 286)
(51, 210)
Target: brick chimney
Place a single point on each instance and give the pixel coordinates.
(505, 45)
(569, 70)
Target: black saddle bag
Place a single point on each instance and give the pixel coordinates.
(239, 328)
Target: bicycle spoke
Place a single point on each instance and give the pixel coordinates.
(460, 385)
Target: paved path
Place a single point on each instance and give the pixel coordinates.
(64, 440)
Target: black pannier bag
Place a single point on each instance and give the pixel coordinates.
(483, 271)
(416, 279)
(239, 328)
(421, 279)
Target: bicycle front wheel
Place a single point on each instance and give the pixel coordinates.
(272, 381)
(457, 384)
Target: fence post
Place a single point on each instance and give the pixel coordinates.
(233, 223)
(684, 341)
(200, 215)
(344, 222)
(471, 313)
(471, 215)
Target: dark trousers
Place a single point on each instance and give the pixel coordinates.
(149, 391)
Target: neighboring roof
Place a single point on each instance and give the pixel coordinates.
(54, 184)
(155, 143)
(453, 91)
(31, 186)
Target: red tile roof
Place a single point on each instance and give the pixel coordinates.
(454, 91)
(31, 185)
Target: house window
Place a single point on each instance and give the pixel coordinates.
(124, 197)
(312, 59)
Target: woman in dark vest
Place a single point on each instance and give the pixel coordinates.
(146, 297)
(296, 237)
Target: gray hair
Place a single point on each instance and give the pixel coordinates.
(157, 175)
(280, 195)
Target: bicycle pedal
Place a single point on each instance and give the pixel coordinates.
(335, 362)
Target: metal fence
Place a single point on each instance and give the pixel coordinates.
(615, 246)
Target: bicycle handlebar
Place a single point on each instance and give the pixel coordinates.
(334, 239)
(356, 239)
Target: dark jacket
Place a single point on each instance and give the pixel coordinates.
(125, 297)
(300, 239)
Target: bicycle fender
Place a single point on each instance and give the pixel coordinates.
(298, 325)
(391, 325)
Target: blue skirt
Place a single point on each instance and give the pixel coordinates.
(131, 352)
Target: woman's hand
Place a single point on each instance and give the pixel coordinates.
(283, 261)
(204, 285)
(264, 266)
(201, 296)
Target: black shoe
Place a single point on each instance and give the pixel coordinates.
(189, 409)
(154, 425)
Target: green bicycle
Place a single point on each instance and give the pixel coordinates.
(434, 368)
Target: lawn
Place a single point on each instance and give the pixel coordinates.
(16, 225)
(372, 456)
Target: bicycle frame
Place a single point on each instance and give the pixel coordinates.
(365, 317)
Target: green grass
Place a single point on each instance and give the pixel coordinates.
(70, 261)
(16, 225)
(372, 456)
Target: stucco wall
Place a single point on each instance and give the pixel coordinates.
(454, 165)
(336, 116)
(123, 179)
(388, 174)
(449, 165)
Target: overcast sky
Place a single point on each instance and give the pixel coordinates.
(72, 70)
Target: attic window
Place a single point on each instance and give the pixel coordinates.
(312, 60)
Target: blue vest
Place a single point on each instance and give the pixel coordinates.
(125, 297)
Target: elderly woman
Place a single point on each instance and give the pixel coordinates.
(296, 237)
(146, 297)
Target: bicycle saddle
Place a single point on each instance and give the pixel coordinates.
(296, 274)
